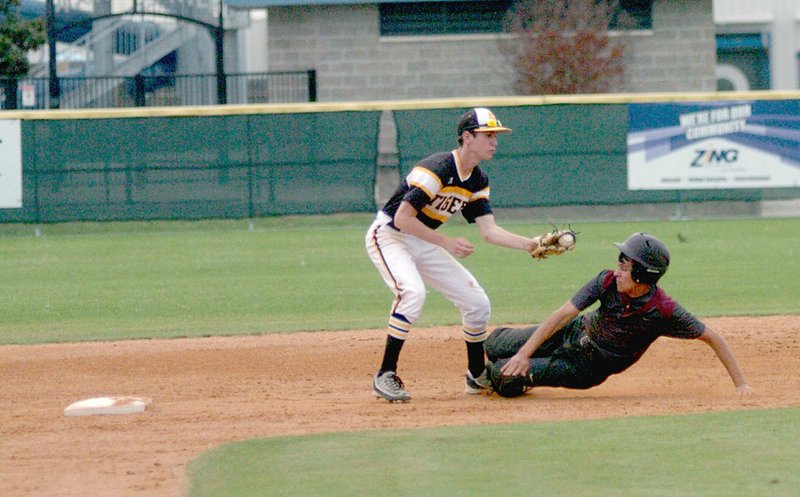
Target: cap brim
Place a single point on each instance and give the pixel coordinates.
(491, 129)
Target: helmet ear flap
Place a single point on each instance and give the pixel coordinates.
(641, 274)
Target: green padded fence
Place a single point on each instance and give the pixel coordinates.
(567, 154)
(251, 161)
(231, 166)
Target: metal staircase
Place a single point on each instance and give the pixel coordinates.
(125, 45)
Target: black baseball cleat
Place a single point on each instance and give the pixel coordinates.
(475, 386)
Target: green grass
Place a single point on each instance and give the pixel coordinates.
(107, 281)
(742, 454)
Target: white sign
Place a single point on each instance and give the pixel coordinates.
(28, 95)
(713, 145)
(710, 164)
(10, 164)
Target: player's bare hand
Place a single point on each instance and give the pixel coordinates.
(517, 365)
(459, 247)
(744, 390)
(530, 244)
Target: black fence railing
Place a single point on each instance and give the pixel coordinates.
(162, 90)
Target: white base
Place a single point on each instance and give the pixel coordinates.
(108, 405)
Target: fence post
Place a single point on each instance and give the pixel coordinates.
(36, 173)
(219, 45)
(312, 85)
(10, 86)
(54, 88)
(139, 93)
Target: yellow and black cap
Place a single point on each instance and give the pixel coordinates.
(480, 120)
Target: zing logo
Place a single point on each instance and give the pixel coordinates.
(712, 156)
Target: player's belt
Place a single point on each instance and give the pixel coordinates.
(585, 340)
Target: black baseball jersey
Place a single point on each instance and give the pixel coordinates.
(627, 326)
(437, 191)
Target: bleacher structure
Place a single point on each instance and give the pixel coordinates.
(103, 43)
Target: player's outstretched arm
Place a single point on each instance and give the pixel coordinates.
(726, 357)
(518, 364)
(496, 235)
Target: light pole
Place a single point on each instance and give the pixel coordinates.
(50, 22)
(219, 38)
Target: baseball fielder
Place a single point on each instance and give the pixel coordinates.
(580, 351)
(409, 253)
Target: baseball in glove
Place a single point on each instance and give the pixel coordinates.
(554, 243)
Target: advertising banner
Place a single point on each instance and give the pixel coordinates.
(691, 145)
(10, 164)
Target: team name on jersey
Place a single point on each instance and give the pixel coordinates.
(445, 200)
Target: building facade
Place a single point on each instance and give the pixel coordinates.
(758, 44)
(343, 42)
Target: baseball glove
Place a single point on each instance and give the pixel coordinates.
(554, 243)
(505, 386)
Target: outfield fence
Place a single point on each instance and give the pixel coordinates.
(252, 161)
(226, 166)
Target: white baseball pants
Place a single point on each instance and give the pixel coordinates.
(407, 264)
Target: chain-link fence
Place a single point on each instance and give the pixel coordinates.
(195, 167)
(159, 90)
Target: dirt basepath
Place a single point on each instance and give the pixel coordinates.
(207, 392)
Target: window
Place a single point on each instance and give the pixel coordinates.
(465, 17)
(640, 10)
(438, 18)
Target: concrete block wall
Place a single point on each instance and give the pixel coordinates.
(354, 63)
(680, 54)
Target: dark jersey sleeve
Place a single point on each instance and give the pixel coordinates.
(480, 206)
(591, 291)
(417, 198)
(412, 188)
(476, 209)
(682, 324)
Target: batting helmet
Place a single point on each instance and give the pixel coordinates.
(649, 255)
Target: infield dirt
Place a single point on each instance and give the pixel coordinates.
(211, 391)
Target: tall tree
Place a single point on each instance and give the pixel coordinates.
(17, 37)
(564, 46)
